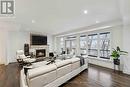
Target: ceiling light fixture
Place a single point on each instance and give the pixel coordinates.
(97, 21)
(85, 11)
(33, 21)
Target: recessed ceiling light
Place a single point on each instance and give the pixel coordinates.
(33, 21)
(97, 21)
(85, 11)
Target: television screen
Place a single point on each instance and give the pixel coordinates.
(38, 40)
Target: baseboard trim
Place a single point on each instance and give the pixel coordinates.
(126, 72)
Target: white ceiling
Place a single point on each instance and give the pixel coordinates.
(56, 16)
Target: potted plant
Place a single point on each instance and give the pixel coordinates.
(116, 53)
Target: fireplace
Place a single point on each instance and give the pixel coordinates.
(40, 53)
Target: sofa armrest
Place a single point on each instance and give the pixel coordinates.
(23, 80)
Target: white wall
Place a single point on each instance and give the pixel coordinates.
(126, 45)
(117, 36)
(4, 28)
(3, 48)
(16, 41)
(125, 12)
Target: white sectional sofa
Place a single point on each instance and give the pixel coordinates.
(52, 75)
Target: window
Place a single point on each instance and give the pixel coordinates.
(71, 45)
(83, 44)
(68, 46)
(93, 45)
(105, 45)
(62, 44)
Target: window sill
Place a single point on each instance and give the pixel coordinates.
(97, 58)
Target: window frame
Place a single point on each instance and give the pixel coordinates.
(109, 45)
(71, 39)
(81, 48)
(96, 49)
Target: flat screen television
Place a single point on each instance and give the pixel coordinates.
(38, 39)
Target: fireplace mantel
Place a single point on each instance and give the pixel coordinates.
(34, 48)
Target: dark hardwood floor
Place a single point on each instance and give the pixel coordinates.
(95, 76)
(9, 75)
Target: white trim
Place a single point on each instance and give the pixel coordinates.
(85, 31)
(100, 59)
(90, 28)
(126, 71)
(98, 45)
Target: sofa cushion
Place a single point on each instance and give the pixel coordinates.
(41, 70)
(39, 64)
(75, 63)
(63, 63)
(75, 59)
(63, 67)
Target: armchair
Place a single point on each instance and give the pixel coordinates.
(21, 58)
